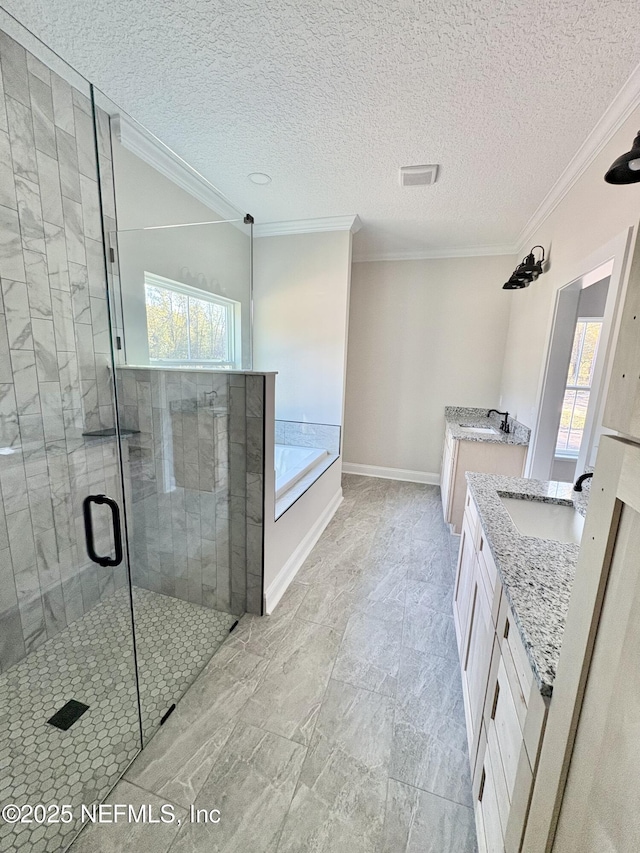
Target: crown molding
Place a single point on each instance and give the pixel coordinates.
(434, 254)
(308, 226)
(624, 103)
(149, 148)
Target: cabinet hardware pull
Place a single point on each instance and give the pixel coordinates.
(482, 781)
(506, 629)
(494, 707)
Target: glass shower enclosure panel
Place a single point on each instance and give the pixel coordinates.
(182, 316)
(70, 723)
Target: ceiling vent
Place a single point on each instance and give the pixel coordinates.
(418, 176)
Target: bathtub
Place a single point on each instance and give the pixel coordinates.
(293, 462)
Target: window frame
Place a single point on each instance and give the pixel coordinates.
(570, 454)
(234, 311)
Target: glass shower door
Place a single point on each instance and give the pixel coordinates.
(69, 718)
(182, 273)
(181, 411)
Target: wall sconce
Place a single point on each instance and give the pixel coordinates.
(526, 272)
(626, 169)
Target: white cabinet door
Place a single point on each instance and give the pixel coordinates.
(463, 595)
(488, 822)
(446, 474)
(475, 673)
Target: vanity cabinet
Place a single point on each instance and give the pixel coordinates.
(504, 710)
(487, 457)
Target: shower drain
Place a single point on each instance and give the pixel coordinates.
(68, 715)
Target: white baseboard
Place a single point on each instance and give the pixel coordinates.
(279, 584)
(391, 473)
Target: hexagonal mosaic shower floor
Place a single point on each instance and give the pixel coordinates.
(92, 661)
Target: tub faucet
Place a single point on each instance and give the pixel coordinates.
(578, 484)
(504, 426)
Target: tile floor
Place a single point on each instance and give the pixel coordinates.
(92, 661)
(336, 724)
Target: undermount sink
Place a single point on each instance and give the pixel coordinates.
(488, 430)
(559, 522)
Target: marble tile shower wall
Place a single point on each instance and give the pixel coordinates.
(55, 382)
(303, 434)
(196, 470)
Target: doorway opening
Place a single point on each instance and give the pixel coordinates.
(573, 382)
(579, 384)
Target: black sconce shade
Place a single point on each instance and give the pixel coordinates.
(526, 272)
(626, 169)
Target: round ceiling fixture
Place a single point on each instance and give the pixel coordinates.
(259, 178)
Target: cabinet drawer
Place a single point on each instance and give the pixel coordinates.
(488, 824)
(508, 630)
(488, 564)
(508, 733)
(512, 775)
(477, 660)
(463, 595)
(517, 694)
(471, 514)
(492, 757)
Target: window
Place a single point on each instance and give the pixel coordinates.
(186, 325)
(578, 388)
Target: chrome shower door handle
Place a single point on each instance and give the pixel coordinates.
(88, 530)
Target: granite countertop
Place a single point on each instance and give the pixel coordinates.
(537, 574)
(457, 416)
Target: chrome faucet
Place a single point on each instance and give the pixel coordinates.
(504, 425)
(578, 484)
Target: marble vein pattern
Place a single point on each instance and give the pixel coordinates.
(196, 508)
(131, 835)
(458, 416)
(52, 355)
(302, 753)
(419, 822)
(537, 574)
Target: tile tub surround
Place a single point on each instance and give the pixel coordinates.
(456, 416)
(92, 661)
(54, 352)
(370, 757)
(196, 471)
(301, 434)
(537, 574)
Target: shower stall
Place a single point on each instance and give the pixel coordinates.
(131, 443)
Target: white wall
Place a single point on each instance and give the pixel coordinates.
(301, 306)
(422, 335)
(214, 258)
(593, 299)
(301, 311)
(589, 216)
(289, 540)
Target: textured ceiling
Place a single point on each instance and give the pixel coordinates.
(331, 97)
